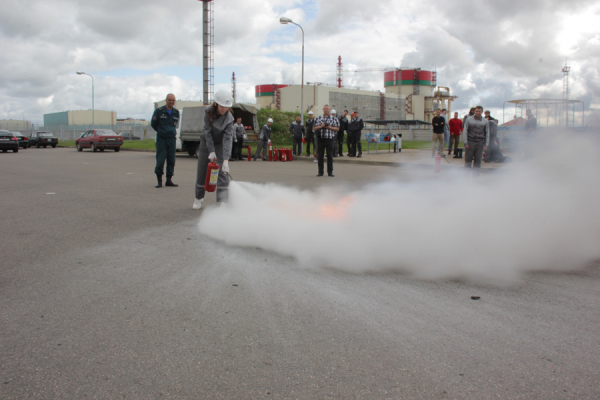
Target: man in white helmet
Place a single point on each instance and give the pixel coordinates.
(217, 139)
(263, 140)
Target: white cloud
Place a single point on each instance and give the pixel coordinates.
(139, 50)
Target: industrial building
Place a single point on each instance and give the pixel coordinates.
(15, 125)
(410, 94)
(81, 117)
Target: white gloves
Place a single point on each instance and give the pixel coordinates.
(212, 157)
(225, 166)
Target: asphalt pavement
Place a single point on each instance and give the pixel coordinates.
(107, 291)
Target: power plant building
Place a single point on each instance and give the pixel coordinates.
(410, 94)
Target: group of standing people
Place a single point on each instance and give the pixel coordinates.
(222, 141)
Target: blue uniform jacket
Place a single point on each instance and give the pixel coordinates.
(164, 124)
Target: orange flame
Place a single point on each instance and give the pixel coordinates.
(333, 211)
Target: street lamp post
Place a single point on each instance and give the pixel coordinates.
(284, 21)
(83, 73)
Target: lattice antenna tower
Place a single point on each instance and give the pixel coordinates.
(339, 72)
(208, 41)
(566, 69)
(233, 86)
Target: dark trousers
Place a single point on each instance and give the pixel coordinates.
(474, 154)
(340, 143)
(309, 140)
(325, 144)
(355, 143)
(297, 145)
(165, 150)
(236, 150)
(351, 144)
(454, 139)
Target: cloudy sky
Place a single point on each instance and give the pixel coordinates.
(487, 51)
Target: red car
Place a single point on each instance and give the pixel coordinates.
(99, 139)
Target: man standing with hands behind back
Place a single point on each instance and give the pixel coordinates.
(164, 121)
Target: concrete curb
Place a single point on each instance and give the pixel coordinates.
(342, 161)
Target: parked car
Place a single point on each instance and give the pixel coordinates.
(23, 140)
(129, 136)
(99, 139)
(39, 139)
(8, 141)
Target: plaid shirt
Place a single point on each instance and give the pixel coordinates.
(332, 121)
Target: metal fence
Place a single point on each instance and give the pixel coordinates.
(72, 132)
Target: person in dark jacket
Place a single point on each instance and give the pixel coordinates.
(355, 128)
(215, 145)
(263, 140)
(164, 122)
(309, 133)
(340, 136)
(297, 131)
(238, 140)
(439, 123)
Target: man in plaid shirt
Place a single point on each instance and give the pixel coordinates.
(325, 127)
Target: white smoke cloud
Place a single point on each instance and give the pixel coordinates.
(538, 215)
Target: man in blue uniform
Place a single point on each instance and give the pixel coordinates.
(164, 122)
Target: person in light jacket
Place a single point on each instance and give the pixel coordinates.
(263, 140)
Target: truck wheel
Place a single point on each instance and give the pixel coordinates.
(53, 146)
(79, 148)
(16, 150)
(37, 146)
(101, 148)
(94, 147)
(117, 149)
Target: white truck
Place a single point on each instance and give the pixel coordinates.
(192, 125)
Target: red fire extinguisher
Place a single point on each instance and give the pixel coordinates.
(438, 162)
(283, 155)
(275, 155)
(212, 175)
(290, 155)
(270, 151)
(249, 153)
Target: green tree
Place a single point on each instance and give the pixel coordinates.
(280, 130)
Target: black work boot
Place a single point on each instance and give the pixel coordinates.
(169, 182)
(159, 178)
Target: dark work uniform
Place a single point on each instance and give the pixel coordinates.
(297, 131)
(165, 125)
(354, 133)
(340, 135)
(310, 135)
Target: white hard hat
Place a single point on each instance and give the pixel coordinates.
(310, 113)
(333, 112)
(223, 98)
(270, 120)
